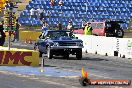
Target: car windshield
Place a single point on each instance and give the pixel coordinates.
(56, 34)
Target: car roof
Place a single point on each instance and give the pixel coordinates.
(115, 22)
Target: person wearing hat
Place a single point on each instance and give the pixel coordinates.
(70, 26)
(88, 29)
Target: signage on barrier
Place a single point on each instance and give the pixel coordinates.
(18, 57)
(129, 47)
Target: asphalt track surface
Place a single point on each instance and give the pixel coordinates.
(98, 67)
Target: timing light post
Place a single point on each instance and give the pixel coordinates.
(10, 6)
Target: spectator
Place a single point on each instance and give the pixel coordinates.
(16, 35)
(52, 2)
(59, 26)
(88, 29)
(49, 14)
(83, 24)
(2, 35)
(45, 26)
(60, 3)
(7, 5)
(40, 13)
(70, 26)
(32, 12)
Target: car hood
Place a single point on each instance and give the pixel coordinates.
(66, 39)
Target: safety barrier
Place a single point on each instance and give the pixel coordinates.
(125, 47)
(26, 35)
(18, 57)
(109, 46)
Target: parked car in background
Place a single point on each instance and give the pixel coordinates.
(59, 42)
(107, 28)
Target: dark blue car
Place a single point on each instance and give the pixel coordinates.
(59, 42)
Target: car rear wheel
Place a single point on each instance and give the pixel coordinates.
(49, 53)
(119, 33)
(79, 54)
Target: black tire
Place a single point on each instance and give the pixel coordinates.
(108, 35)
(49, 53)
(84, 81)
(79, 54)
(119, 33)
(66, 55)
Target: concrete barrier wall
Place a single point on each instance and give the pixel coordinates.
(125, 47)
(18, 57)
(23, 35)
(107, 45)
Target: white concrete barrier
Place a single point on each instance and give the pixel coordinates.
(125, 47)
(110, 46)
(104, 46)
(87, 42)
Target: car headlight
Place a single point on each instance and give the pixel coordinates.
(56, 44)
(79, 43)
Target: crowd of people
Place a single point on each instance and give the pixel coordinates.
(39, 13)
(86, 26)
(45, 26)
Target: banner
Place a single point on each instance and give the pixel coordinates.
(19, 58)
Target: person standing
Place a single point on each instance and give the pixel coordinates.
(83, 24)
(52, 2)
(88, 29)
(2, 35)
(60, 3)
(32, 12)
(16, 34)
(40, 13)
(45, 26)
(59, 25)
(70, 26)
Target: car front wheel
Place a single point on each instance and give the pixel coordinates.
(49, 53)
(79, 54)
(66, 55)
